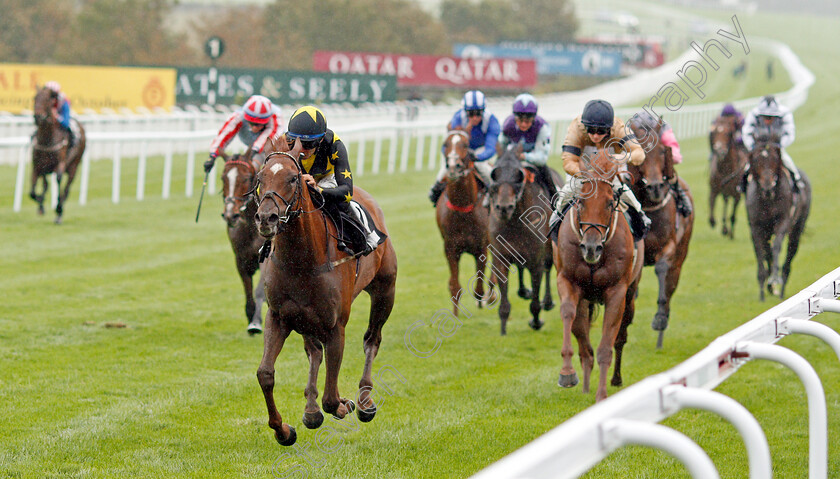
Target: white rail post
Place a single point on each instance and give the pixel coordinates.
(115, 179)
(674, 443)
(392, 151)
(19, 180)
(377, 151)
(433, 151)
(758, 451)
(53, 182)
(188, 187)
(817, 414)
(406, 144)
(360, 157)
(167, 171)
(811, 328)
(85, 183)
(418, 153)
(141, 172)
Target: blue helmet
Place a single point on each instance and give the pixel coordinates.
(473, 100)
(597, 114)
(525, 103)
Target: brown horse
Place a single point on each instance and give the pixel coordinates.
(728, 160)
(519, 232)
(238, 179)
(666, 244)
(774, 212)
(310, 286)
(50, 152)
(461, 217)
(597, 262)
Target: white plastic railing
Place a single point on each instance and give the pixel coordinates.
(575, 446)
(113, 136)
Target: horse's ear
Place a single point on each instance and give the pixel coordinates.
(280, 144)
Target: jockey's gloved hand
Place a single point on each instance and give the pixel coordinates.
(208, 165)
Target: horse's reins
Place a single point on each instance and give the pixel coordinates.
(287, 216)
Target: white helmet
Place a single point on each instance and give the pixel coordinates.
(769, 107)
(53, 85)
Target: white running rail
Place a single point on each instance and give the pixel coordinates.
(629, 416)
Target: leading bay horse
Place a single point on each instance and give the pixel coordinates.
(774, 212)
(728, 160)
(597, 262)
(519, 232)
(50, 152)
(310, 286)
(461, 217)
(666, 244)
(238, 179)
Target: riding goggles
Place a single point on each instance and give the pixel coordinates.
(306, 142)
(475, 112)
(525, 116)
(597, 130)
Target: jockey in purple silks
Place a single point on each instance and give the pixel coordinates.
(530, 130)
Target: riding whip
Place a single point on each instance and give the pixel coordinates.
(201, 198)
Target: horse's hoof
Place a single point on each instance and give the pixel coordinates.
(524, 293)
(366, 415)
(287, 442)
(548, 305)
(660, 322)
(41, 211)
(567, 380)
(313, 420)
(349, 405)
(57, 221)
(616, 381)
(535, 324)
(254, 328)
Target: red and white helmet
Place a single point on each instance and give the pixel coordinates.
(53, 85)
(258, 109)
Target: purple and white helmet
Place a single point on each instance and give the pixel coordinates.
(525, 103)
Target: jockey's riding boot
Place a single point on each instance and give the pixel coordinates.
(639, 223)
(742, 185)
(683, 201)
(71, 139)
(371, 237)
(544, 177)
(436, 191)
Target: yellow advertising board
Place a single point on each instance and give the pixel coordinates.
(88, 86)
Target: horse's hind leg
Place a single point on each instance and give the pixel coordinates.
(548, 303)
(276, 333)
(712, 198)
(381, 304)
(312, 415)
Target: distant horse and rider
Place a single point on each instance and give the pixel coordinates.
(775, 212)
(727, 160)
(666, 244)
(461, 216)
(311, 283)
(54, 150)
(519, 232)
(239, 177)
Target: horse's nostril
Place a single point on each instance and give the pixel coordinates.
(599, 249)
(273, 218)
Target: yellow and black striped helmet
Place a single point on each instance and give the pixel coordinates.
(307, 123)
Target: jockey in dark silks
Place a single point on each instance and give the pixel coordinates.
(525, 127)
(326, 167)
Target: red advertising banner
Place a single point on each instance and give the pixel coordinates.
(430, 70)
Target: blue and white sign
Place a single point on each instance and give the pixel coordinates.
(571, 59)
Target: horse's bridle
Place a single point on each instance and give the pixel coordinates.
(779, 168)
(293, 209)
(584, 226)
(249, 195)
(464, 163)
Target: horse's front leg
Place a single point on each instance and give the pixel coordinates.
(548, 303)
(452, 258)
(332, 402)
(312, 415)
(255, 325)
(276, 332)
(480, 267)
(780, 232)
(524, 292)
(536, 306)
(662, 268)
(614, 304)
(760, 245)
(712, 199)
(569, 299)
(580, 328)
(502, 271)
(735, 201)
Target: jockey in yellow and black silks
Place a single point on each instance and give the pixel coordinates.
(325, 164)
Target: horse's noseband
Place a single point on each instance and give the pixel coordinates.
(292, 207)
